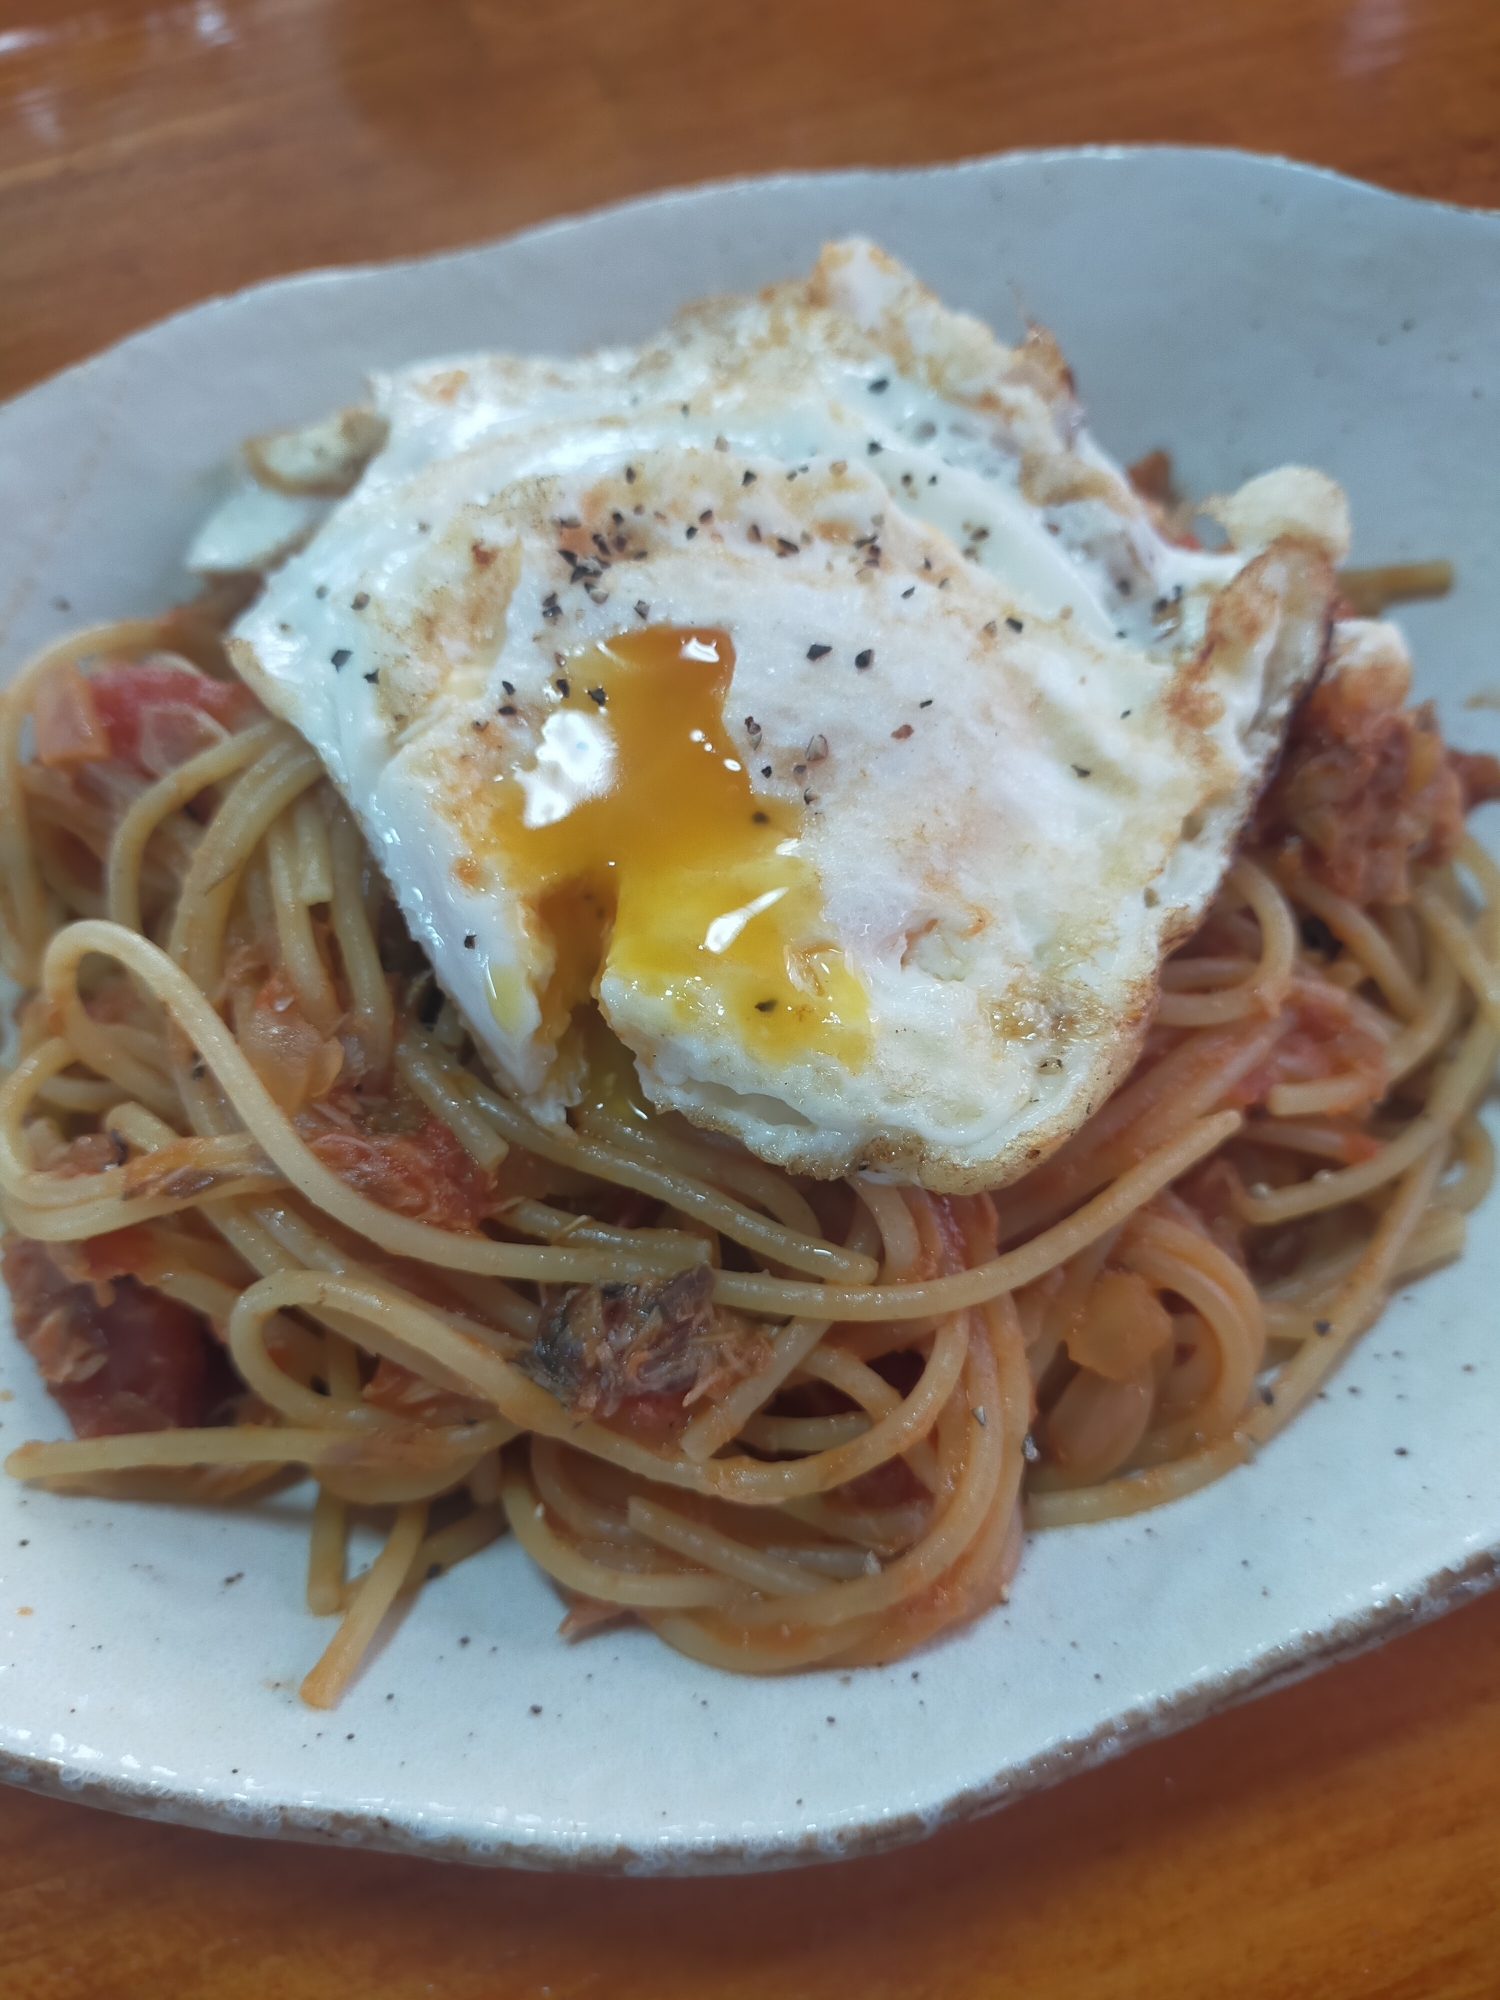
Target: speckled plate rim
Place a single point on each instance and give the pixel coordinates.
(1371, 1609)
(312, 1827)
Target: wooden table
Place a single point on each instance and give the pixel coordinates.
(1340, 1838)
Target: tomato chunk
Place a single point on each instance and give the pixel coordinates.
(424, 1173)
(154, 711)
(117, 1355)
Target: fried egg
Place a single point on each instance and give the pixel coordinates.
(804, 703)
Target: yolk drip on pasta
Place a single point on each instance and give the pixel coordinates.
(637, 840)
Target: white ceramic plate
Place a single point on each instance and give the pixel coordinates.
(1244, 312)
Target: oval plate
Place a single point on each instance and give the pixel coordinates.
(1242, 311)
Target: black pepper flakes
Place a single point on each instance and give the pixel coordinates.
(509, 709)
(692, 530)
(764, 1006)
(469, 940)
(359, 600)
(342, 657)
(598, 696)
(373, 678)
(642, 608)
(1082, 771)
(765, 770)
(321, 591)
(874, 447)
(630, 475)
(866, 658)
(925, 704)
(909, 591)
(562, 688)
(818, 652)
(879, 386)
(749, 478)
(786, 548)
(1322, 1326)
(760, 819)
(509, 686)
(1015, 625)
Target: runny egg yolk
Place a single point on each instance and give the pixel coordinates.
(638, 843)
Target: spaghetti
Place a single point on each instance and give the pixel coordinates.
(269, 1216)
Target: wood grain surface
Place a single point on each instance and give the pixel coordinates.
(1341, 1838)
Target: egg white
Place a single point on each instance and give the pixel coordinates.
(1029, 795)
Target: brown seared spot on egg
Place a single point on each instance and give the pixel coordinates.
(1039, 363)
(446, 387)
(1238, 620)
(613, 524)
(1031, 1011)
(444, 644)
(968, 366)
(1054, 479)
